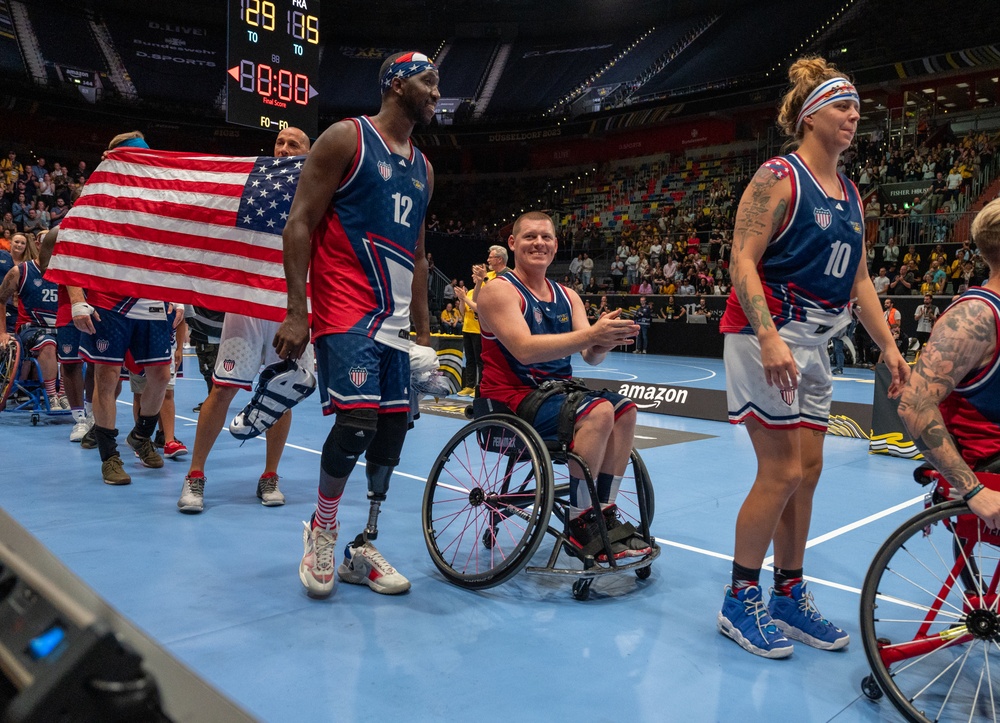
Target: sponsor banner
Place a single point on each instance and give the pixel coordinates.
(902, 192)
(889, 436)
(846, 419)
(160, 52)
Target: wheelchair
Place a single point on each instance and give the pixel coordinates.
(930, 623)
(23, 395)
(491, 496)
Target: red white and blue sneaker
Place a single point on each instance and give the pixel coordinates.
(364, 565)
(316, 568)
(745, 619)
(797, 617)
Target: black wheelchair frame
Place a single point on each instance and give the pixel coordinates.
(490, 497)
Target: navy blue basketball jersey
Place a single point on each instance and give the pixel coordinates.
(37, 298)
(363, 249)
(505, 378)
(809, 265)
(972, 411)
(6, 264)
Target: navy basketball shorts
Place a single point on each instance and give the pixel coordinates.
(68, 344)
(547, 418)
(356, 372)
(35, 338)
(115, 334)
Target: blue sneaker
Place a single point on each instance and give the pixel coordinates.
(797, 617)
(744, 618)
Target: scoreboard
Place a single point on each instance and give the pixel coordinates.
(273, 61)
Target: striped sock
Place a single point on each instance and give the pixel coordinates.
(326, 511)
(50, 387)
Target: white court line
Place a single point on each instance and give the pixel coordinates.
(768, 562)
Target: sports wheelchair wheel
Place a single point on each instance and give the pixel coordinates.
(487, 501)
(932, 641)
(10, 366)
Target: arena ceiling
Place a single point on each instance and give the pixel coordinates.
(431, 18)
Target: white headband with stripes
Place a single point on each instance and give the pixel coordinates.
(827, 92)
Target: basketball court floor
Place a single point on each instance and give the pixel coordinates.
(220, 590)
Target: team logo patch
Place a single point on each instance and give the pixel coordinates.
(384, 170)
(823, 217)
(856, 226)
(37, 282)
(564, 318)
(229, 364)
(67, 348)
(102, 345)
(788, 396)
(417, 184)
(538, 315)
(359, 375)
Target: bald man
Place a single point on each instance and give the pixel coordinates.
(245, 346)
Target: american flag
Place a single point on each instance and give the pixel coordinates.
(182, 227)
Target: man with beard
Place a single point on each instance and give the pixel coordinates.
(356, 229)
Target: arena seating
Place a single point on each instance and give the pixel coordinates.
(723, 52)
(538, 74)
(65, 38)
(464, 66)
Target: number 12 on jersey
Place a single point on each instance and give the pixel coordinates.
(403, 206)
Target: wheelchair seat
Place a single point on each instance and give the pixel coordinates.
(492, 492)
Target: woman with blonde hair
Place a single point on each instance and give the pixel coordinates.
(797, 264)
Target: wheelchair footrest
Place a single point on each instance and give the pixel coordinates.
(598, 569)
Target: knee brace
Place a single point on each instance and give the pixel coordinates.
(352, 433)
(388, 441)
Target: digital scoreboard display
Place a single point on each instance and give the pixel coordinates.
(273, 62)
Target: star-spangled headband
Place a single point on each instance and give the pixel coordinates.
(824, 94)
(403, 67)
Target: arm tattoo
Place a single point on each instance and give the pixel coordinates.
(958, 346)
(753, 219)
(9, 286)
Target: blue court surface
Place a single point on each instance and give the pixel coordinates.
(220, 590)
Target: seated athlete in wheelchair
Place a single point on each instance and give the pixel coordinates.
(530, 327)
(929, 605)
(36, 305)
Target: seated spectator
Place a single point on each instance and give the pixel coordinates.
(34, 223)
(57, 213)
(672, 311)
(451, 320)
(927, 286)
(19, 211)
(11, 168)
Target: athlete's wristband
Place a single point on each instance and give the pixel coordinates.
(82, 308)
(973, 492)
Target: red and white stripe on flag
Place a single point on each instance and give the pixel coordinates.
(182, 227)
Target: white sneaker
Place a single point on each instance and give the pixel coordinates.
(364, 565)
(60, 403)
(316, 569)
(268, 492)
(192, 498)
(81, 427)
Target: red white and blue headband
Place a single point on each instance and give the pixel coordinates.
(403, 67)
(827, 92)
